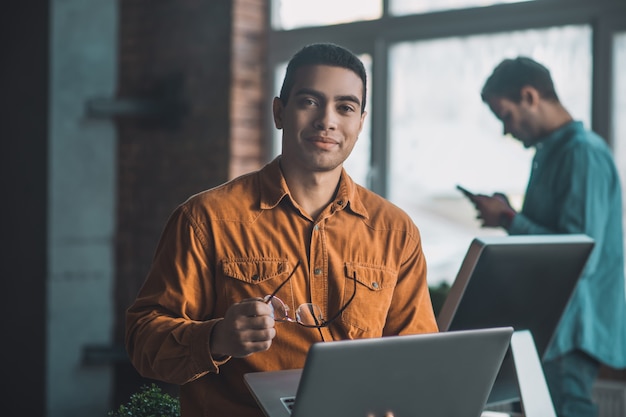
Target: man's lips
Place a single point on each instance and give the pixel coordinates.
(323, 139)
(323, 143)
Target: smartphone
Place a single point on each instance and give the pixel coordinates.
(467, 192)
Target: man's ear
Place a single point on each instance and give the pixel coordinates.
(529, 95)
(277, 110)
(362, 121)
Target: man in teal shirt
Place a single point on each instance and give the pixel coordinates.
(573, 188)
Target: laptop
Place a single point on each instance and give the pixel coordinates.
(435, 375)
(534, 391)
(521, 281)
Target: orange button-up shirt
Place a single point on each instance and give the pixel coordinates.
(241, 240)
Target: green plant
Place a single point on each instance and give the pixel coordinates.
(149, 402)
(438, 296)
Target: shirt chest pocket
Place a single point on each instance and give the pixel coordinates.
(252, 277)
(374, 292)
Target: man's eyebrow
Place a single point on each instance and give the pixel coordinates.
(349, 97)
(315, 93)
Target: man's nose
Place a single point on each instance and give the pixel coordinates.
(326, 119)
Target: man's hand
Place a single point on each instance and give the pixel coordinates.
(247, 327)
(495, 210)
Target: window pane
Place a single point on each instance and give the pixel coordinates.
(404, 7)
(442, 134)
(619, 109)
(358, 163)
(292, 14)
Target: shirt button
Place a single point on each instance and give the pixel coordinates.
(375, 285)
(255, 277)
(316, 227)
(535, 165)
(317, 271)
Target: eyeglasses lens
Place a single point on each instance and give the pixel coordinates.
(281, 311)
(309, 315)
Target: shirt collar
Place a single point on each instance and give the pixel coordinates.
(560, 135)
(273, 188)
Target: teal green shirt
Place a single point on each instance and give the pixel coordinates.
(574, 187)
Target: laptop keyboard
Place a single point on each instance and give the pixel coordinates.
(288, 403)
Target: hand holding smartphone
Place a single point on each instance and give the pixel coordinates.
(466, 192)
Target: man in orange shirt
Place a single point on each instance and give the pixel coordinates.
(249, 274)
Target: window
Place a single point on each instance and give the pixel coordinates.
(619, 109)
(427, 62)
(291, 14)
(442, 134)
(403, 7)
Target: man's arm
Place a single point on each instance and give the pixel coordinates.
(171, 329)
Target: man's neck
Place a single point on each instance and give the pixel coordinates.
(313, 191)
(553, 117)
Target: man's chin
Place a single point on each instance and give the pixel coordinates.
(528, 143)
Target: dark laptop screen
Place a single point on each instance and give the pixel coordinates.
(519, 281)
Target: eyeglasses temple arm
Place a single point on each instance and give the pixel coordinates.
(327, 322)
(282, 284)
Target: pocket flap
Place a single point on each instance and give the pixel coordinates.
(373, 277)
(255, 271)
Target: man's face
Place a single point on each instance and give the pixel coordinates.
(517, 119)
(322, 119)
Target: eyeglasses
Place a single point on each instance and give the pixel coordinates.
(307, 314)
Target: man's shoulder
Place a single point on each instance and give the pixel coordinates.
(383, 212)
(583, 137)
(370, 198)
(238, 194)
(587, 142)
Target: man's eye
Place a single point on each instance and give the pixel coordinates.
(346, 108)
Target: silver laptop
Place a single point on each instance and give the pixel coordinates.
(435, 375)
(534, 392)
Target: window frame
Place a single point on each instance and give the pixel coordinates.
(375, 37)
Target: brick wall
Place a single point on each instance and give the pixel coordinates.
(192, 72)
(249, 99)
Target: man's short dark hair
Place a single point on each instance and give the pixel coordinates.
(323, 54)
(511, 75)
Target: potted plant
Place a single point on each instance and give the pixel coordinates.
(149, 401)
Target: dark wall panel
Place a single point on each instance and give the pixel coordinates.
(24, 38)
